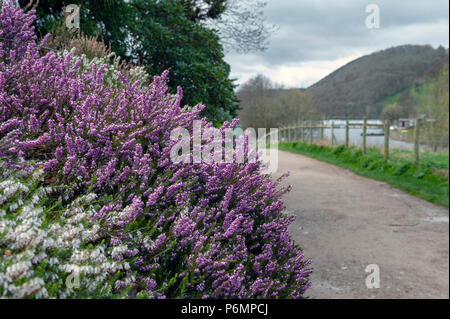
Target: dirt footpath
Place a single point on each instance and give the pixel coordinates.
(346, 222)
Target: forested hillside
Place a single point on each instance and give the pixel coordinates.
(363, 86)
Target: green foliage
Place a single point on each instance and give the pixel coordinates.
(402, 169)
(192, 53)
(107, 19)
(392, 99)
(432, 100)
(203, 9)
(339, 149)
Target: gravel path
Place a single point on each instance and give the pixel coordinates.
(346, 222)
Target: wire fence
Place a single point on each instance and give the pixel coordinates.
(367, 133)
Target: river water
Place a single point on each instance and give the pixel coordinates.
(356, 135)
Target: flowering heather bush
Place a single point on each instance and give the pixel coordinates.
(91, 50)
(16, 26)
(113, 66)
(185, 230)
(40, 245)
(64, 39)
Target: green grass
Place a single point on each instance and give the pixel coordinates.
(392, 99)
(428, 180)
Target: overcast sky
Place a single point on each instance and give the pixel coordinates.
(315, 37)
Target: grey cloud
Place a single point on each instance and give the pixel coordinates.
(314, 29)
(320, 30)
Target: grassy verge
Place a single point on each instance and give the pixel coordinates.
(428, 180)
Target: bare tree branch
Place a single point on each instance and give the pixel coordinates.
(242, 26)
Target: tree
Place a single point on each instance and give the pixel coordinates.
(162, 35)
(240, 23)
(265, 104)
(242, 26)
(296, 107)
(203, 9)
(435, 105)
(165, 38)
(255, 102)
(395, 111)
(107, 19)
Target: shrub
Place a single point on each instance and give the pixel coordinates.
(376, 164)
(370, 160)
(41, 244)
(64, 39)
(112, 67)
(339, 149)
(355, 156)
(186, 230)
(402, 169)
(91, 50)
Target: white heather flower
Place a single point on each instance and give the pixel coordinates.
(118, 251)
(30, 242)
(37, 175)
(17, 269)
(31, 286)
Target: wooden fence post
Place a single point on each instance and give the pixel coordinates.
(364, 142)
(321, 130)
(416, 141)
(387, 130)
(347, 134)
(302, 128)
(332, 133)
(310, 133)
